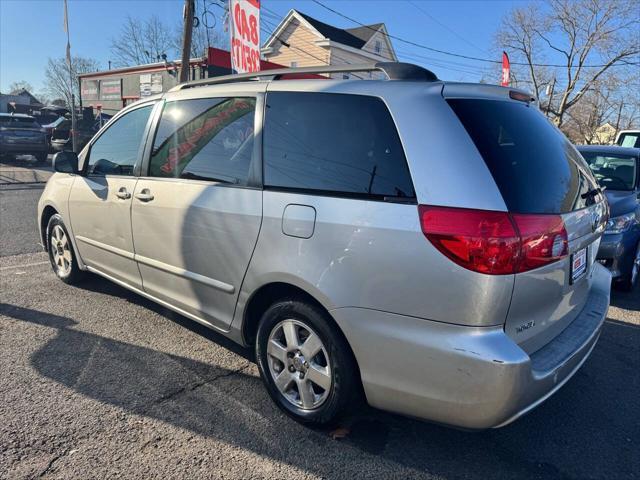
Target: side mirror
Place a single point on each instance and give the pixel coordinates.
(65, 162)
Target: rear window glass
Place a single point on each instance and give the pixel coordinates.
(535, 167)
(616, 172)
(334, 143)
(19, 122)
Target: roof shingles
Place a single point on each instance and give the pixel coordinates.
(353, 37)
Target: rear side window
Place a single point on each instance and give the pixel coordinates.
(205, 139)
(614, 171)
(334, 143)
(535, 167)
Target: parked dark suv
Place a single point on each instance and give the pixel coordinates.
(62, 135)
(618, 169)
(22, 135)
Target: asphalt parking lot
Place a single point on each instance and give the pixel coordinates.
(97, 382)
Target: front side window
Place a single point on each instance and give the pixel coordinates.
(334, 143)
(205, 139)
(115, 152)
(614, 171)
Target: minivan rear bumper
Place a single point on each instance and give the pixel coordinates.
(468, 377)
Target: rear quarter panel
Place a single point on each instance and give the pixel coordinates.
(371, 255)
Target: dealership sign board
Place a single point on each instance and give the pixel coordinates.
(111, 89)
(89, 90)
(244, 25)
(150, 84)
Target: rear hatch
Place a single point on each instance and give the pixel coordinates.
(21, 131)
(539, 173)
(61, 132)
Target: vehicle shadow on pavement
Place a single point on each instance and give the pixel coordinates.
(626, 300)
(578, 433)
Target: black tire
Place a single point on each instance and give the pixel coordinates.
(630, 280)
(345, 382)
(61, 254)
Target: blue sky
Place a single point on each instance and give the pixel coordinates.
(31, 30)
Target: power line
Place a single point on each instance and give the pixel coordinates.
(446, 27)
(440, 63)
(468, 57)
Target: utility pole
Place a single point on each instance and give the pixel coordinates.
(74, 141)
(187, 15)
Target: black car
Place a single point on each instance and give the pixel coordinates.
(618, 169)
(22, 135)
(62, 135)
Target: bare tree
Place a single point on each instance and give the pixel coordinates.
(142, 41)
(581, 33)
(57, 81)
(586, 122)
(15, 87)
(202, 38)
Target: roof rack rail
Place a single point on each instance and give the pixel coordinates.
(393, 71)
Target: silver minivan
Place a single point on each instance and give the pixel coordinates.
(428, 245)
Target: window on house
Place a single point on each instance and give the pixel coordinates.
(378, 46)
(294, 64)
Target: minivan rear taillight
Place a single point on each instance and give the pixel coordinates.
(495, 243)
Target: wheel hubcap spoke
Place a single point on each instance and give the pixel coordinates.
(307, 397)
(291, 335)
(311, 346)
(284, 380)
(320, 376)
(277, 351)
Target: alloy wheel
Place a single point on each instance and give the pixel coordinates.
(299, 364)
(61, 251)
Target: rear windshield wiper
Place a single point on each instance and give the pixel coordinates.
(592, 193)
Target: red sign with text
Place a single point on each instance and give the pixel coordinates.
(244, 16)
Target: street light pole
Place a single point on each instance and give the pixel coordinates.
(73, 101)
(187, 15)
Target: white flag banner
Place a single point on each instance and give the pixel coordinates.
(244, 23)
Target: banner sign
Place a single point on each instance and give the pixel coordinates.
(111, 89)
(89, 90)
(244, 25)
(506, 70)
